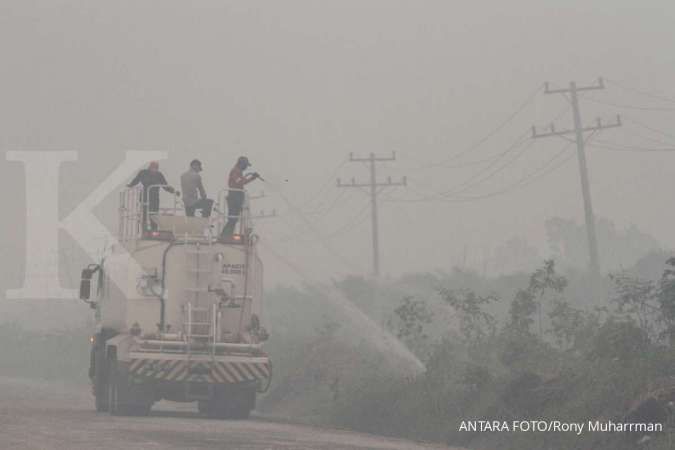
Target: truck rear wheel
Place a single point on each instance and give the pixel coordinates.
(203, 406)
(243, 402)
(125, 398)
(231, 403)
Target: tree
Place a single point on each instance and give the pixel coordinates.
(618, 248)
(666, 299)
(528, 301)
(475, 324)
(520, 343)
(636, 299)
(567, 323)
(411, 317)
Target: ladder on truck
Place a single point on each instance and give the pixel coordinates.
(200, 326)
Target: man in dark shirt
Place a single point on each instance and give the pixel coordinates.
(151, 179)
(235, 197)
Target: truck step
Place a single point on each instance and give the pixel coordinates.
(195, 289)
(200, 309)
(198, 252)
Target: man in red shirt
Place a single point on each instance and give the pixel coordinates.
(235, 197)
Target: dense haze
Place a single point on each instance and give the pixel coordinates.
(297, 85)
(484, 308)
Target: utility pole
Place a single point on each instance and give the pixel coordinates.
(578, 132)
(373, 185)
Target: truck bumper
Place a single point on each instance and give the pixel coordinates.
(150, 367)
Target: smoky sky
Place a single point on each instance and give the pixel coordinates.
(298, 85)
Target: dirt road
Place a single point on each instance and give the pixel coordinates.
(35, 415)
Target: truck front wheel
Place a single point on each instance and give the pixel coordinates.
(125, 398)
(100, 382)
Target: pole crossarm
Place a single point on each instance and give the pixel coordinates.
(597, 127)
(373, 158)
(600, 85)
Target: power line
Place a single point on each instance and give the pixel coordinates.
(358, 219)
(624, 106)
(498, 170)
(492, 158)
(327, 184)
(548, 167)
(608, 145)
(650, 128)
(641, 92)
(471, 182)
(332, 205)
(360, 320)
(463, 165)
(653, 139)
(318, 235)
(530, 97)
(294, 267)
(520, 140)
(476, 178)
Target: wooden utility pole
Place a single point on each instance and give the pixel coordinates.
(373, 185)
(578, 132)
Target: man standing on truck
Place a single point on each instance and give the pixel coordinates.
(151, 179)
(194, 195)
(235, 197)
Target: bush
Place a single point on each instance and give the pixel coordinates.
(62, 356)
(569, 363)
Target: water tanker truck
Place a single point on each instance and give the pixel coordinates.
(178, 312)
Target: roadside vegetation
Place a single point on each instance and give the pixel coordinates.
(53, 355)
(538, 346)
(523, 346)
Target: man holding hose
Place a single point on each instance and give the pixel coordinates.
(235, 197)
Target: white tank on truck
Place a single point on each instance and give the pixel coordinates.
(188, 328)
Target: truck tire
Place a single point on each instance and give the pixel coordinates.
(203, 407)
(244, 402)
(232, 403)
(125, 398)
(100, 380)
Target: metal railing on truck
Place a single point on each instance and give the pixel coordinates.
(223, 214)
(135, 211)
